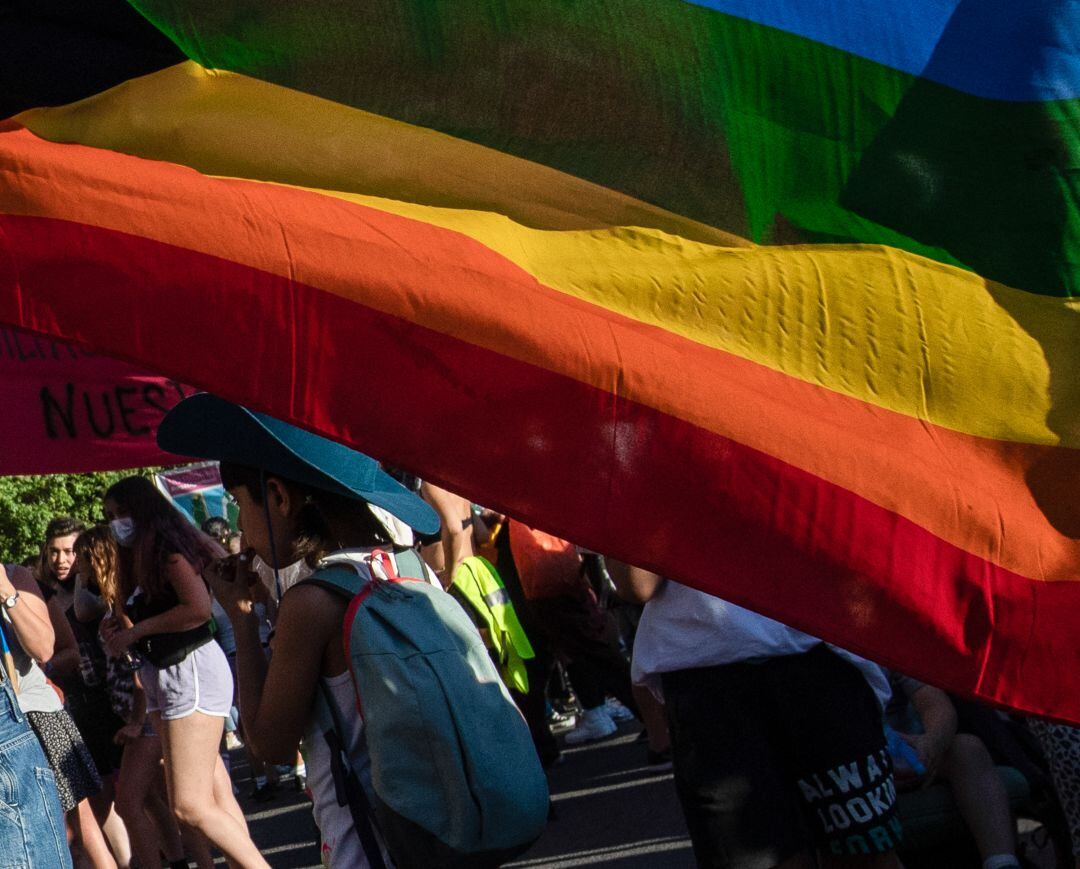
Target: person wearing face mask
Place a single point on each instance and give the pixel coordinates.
(185, 675)
(123, 529)
(141, 784)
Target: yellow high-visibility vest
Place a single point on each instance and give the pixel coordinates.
(480, 584)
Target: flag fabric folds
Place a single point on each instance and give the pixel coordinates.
(776, 298)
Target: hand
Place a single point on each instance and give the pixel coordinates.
(128, 733)
(231, 580)
(119, 640)
(930, 752)
(260, 593)
(108, 627)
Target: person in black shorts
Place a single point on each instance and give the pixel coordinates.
(777, 740)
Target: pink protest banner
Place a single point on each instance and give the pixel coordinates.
(67, 409)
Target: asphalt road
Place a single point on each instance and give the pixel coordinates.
(610, 809)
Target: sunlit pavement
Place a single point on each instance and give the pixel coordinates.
(610, 808)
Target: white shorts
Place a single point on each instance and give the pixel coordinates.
(202, 682)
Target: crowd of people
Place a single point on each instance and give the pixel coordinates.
(136, 650)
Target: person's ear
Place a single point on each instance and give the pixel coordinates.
(279, 497)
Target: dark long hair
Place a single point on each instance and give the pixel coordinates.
(313, 538)
(161, 531)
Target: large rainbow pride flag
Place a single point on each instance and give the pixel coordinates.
(775, 297)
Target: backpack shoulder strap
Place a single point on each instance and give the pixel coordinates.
(347, 579)
(409, 563)
(342, 579)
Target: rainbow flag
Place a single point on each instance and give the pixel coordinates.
(774, 297)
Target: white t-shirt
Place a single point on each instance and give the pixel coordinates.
(682, 628)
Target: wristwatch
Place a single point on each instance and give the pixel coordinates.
(9, 602)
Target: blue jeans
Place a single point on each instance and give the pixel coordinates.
(31, 824)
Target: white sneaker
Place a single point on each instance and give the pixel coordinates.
(593, 724)
(561, 722)
(616, 710)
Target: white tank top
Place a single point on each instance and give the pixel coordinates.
(341, 845)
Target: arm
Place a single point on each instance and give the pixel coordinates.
(192, 610)
(29, 617)
(88, 606)
(456, 540)
(276, 698)
(938, 717)
(63, 666)
(481, 534)
(634, 584)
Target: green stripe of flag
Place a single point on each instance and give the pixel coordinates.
(739, 125)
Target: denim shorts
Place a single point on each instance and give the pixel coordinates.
(202, 682)
(31, 823)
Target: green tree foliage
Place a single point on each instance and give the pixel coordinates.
(28, 503)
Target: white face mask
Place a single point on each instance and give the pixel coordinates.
(123, 530)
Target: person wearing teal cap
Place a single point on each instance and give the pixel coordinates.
(300, 496)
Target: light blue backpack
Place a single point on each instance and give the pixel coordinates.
(454, 779)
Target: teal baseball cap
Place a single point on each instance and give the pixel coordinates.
(204, 426)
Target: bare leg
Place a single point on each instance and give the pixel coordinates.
(139, 773)
(194, 841)
(224, 796)
(191, 755)
(157, 807)
(197, 847)
(112, 825)
(652, 715)
(980, 796)
(116, 835)
(71, 828)
(86, 828)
